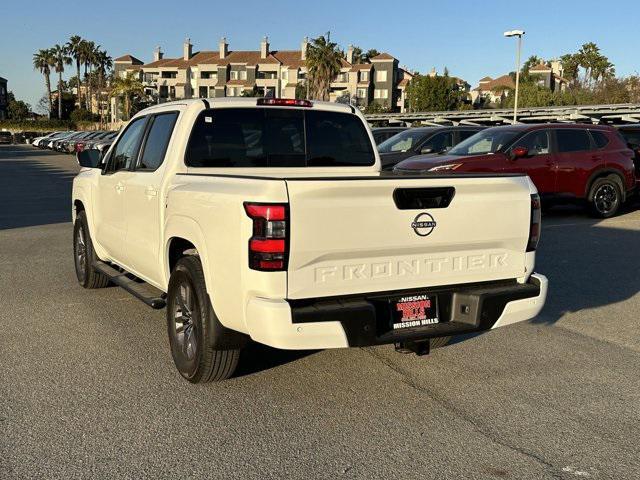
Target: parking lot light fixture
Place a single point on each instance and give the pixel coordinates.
(519, 34)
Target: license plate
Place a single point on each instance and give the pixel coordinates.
(414, 311)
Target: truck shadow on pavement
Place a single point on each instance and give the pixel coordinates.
(33, 193)
(256, 358)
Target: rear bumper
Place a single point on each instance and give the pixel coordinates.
(365, 320)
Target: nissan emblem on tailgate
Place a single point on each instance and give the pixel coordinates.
(423, 224)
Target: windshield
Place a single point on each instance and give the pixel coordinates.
(403, 141)
(486, 141)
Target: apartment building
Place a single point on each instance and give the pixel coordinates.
(4, 99)
(265, 72)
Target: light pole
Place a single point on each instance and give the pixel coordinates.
(519, 34)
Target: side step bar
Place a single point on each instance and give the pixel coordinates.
(143, 291)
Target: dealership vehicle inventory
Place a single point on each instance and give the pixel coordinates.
(270, 220)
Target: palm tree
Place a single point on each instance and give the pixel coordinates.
(324, 60)
(61, 58)
(43, 61)
(74, 47)
(88, 50)
(127, 87)
(104, 63)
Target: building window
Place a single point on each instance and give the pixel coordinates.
(243, 75)
(203, 92)
(169, 74)
(234, 75)
(150, 77)
(361, 93)
(208, 74)
(364, 76)
(380, 93)
(381, 76)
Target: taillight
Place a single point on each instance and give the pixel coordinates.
(268, 245)
(535, 224)
(284, 102)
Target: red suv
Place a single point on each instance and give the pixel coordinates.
(566, 162)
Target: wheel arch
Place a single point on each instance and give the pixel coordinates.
(183, 236)
(602, 173)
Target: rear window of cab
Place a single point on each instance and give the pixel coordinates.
(278, 137)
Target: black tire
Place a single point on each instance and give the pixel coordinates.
(85, 256)
(605, 197)
(439, 342)
(195, 333)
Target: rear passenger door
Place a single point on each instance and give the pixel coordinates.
(143, 199)
(576, 160)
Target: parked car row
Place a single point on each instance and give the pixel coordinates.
(569, 163)
(73, 142)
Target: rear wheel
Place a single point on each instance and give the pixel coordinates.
(85, 256)
(605, 197)
(193, 327)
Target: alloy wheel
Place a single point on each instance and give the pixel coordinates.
(185, 335)
(606, 198)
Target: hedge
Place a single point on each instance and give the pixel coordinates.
(36, 125)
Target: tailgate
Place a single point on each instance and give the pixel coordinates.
(349, 236)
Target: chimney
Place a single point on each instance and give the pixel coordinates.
(157, 54)
(224, 47)
(187, 49)
(350, 54)
(303, 48)
(264, 47)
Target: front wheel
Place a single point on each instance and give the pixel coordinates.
(194, 330)
(85, 256)
(605, 197)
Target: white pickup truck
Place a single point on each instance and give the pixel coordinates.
(269, 219)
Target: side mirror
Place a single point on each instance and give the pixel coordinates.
(89, 158)
(519, 152)
(426, 150)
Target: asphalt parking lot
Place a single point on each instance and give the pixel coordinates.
(88, 388)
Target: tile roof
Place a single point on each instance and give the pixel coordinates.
(404, 82)
(129, 58)
(501, 83)
(289, 58)
(486, 79)
(241, 83)
(360, 66)
(383, 56)
(250, 57)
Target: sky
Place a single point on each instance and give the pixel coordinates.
(465, 36)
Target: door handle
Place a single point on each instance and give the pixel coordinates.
(150, 191)
(119, 187)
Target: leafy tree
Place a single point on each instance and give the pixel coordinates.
(324, 60)
(61, 58)
(75, 49)
(128, 88)
(301, 90)
(360, 56)
(82, 115)
(43, 60)
(437, 93)
(17, 109)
